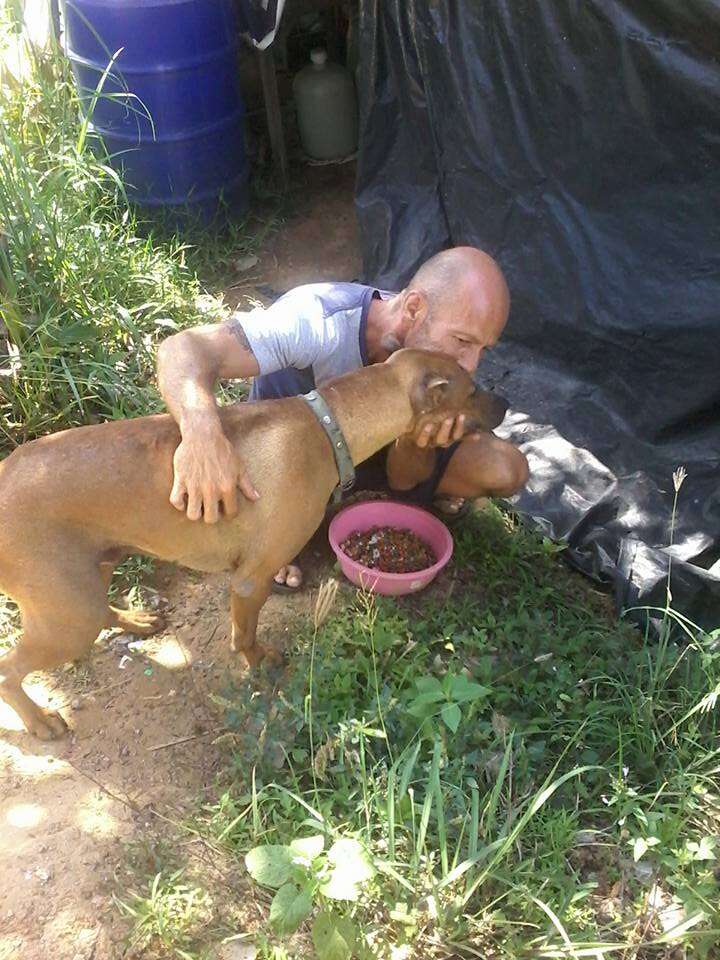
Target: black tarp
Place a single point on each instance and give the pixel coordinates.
(578, 141)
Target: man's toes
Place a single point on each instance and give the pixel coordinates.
(48, 726)
(293, 577)
(281, 575)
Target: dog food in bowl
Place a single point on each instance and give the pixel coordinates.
(389, 549)
(402, 518)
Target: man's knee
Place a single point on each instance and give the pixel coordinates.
(488, 470)
(511, 473)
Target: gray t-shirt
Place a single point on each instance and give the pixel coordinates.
(314, 333)
(309, 335)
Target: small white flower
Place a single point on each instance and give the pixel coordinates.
(400, 953)
(679, 476)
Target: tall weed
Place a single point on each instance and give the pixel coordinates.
(86, 288)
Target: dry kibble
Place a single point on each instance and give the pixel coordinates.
(389, 549)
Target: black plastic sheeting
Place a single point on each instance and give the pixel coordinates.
(259, 20)
(578, 142)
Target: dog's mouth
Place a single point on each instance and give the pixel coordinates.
(486, 410)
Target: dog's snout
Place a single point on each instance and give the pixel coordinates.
(498, 408)
(490, 408)
(501, 405)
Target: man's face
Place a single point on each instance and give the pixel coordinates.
(463, 330)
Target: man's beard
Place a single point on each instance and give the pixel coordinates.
(422, 340)
(390, 343)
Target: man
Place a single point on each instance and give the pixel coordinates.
(457, 304)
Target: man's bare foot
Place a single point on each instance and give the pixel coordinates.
(289, 576)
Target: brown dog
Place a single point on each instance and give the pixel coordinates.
(72, 505)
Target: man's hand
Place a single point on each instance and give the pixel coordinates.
(441, 434)
(207, 474)
(207, 470)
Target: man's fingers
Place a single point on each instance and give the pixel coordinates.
(423, 438)
(248, 490)
(210, 508)
(194, 507)
(449, 431)
(459, 431)
(230, 502)
(177, 495)
(442, 439)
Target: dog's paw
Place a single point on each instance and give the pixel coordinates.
(48, 726)
(274, 658)
(267, 656)
(141, 622)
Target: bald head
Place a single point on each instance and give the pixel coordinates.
(462, 272)
(457, 303)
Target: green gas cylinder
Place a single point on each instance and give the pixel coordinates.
(326, 109)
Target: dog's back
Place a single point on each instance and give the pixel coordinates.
(110, 485)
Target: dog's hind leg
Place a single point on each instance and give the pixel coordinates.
(247, 596)
(63, 610)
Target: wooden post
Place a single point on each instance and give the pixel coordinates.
(274, 116)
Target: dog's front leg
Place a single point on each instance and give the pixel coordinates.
(247, 596)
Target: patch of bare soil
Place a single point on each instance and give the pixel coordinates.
(146, 739)
(319, 242)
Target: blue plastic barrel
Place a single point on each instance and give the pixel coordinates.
(174, 124)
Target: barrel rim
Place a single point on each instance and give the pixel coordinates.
(199, 131)
(217, 55)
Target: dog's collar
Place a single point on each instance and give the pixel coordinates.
(343, 460)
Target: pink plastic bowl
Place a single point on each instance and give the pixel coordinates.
(383, 513)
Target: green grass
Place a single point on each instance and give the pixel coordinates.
(168, 914)
(86, 288)
(527, 777)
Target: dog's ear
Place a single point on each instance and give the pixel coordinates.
(435, 389)
(429, 392)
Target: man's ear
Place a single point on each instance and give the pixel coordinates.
(415, 307)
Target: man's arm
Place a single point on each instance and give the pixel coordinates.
(207, 470)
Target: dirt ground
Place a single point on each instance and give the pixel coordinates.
(319, 241)
(146, 738)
